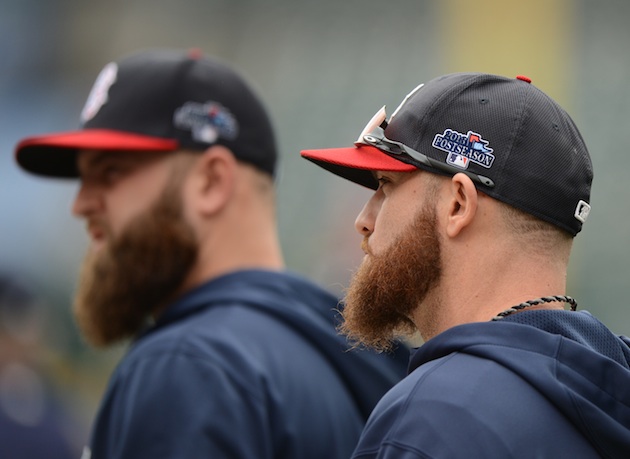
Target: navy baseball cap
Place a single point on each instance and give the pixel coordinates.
(160, 100)
(516, 143)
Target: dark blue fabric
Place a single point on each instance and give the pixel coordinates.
(543, 384)
(248, 365)
(43, 437)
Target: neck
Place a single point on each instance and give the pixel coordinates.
(242, 236)
(476, 289)
(235, 251)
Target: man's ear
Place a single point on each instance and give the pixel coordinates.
(214, 179)
(462, 206)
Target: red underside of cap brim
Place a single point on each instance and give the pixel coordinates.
(55, 154)
(356, 163)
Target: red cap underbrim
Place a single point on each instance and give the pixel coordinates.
(55, 155)
(356, 163)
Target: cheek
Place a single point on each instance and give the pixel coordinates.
(390, 225)
(120, 213)
(386, 228)
(126, 204)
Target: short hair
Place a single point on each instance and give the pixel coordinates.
(539, 235)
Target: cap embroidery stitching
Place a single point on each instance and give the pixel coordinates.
(582, 210)
(99, 94)
(411, 93)
(207, 122)
(463, 148)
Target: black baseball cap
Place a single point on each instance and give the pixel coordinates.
(516, 143)
(160, 100)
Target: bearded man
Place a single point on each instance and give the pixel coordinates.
(232, 356)
(481, 182)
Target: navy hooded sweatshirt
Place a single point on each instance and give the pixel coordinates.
(537, 384)
(249, 365)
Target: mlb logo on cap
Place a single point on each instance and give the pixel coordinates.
(457, 160)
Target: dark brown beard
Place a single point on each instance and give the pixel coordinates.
(388, 287)
(122, 285)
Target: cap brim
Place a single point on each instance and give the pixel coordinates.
(55, 155)
(356, 163)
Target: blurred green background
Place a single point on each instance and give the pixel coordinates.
(323, 68)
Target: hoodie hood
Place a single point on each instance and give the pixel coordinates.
(569, 357)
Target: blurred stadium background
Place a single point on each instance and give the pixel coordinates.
(323, 68)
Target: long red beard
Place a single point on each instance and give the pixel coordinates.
(123, 284)
(388, 287)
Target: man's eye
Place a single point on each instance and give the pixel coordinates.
(111, 174)
(382, 181)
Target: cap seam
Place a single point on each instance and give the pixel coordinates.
(464, 86)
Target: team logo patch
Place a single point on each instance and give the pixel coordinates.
(99, 94)
(206, 122)
(464, 148)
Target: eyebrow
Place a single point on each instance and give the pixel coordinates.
(102, 156)
(380, 173)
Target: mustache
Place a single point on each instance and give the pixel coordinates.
(95, 223)
(365, 246)
(97, 227)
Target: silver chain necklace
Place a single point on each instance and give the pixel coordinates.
(530, 303)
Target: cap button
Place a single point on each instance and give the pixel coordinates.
(195, 53)
(524, 78)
